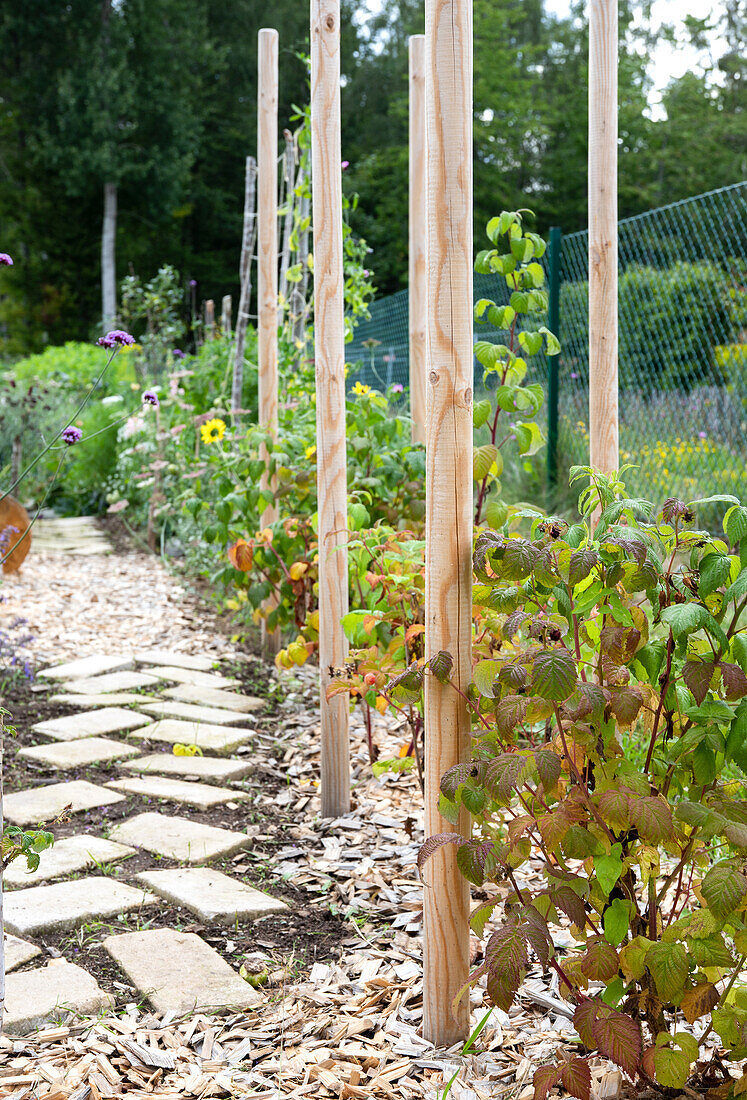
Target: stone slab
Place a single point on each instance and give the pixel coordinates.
(178, 838)
(53, 994)
(194, 678)
(44, 803)
(211, 895)
(219, 739)
(112, 699)
(18, 952)
(78, 754)
(113, 681)
(63, 905)
(74, 853)
(190, 713)
(90, 723)
(189, 767)
(201, 795)
(179, 972)
(172, 657)
(87, 666)
(209, 697)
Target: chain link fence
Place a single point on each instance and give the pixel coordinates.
(682, 356)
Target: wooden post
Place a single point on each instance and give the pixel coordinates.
(298, 297)
(267, 275)
(448, 547)
(225, 315)
(289, 176)
(329, 340)
(603, 397)
(418, 238)
(248, 240)
(210, 319)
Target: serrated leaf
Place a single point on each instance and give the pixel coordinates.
(434, 843)
(575, 1077)
(710, 951)
(600, 962)
(633, 958)
(481, 916)
(652, 818)
(581, 564)
(554, 674)
(698, 675)
(544, 1079)
(473, 858)
(481, 410)
(686, 618)
(625, 703)
(714, 572)
(483, 459)
(548, 769)
(672, 1068)
(724, 888)
(618, 1037)
(567, 901)
(735, 681)
(502, 775)
(667, 963)
(583, 1021)
(614, 806)
(518, 559)
(485, 676)
(441, 665)
(699, 1001)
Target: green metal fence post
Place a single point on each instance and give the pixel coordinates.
(556, 247)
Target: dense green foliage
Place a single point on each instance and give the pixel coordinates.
(158, 97)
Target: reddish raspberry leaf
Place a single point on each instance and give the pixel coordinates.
(600, 963)
(567, 901)
(618, 1037)
(576, 1078)
(583, 1019)
(614, 806)
(548, 768)
(735, 681)
(433, 843)
(625, 704)
(554, 674)
(697, 675)
(652, 818)
(544, 1079)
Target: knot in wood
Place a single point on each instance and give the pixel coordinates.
(433, 377)
(468, 397)
(329, 23)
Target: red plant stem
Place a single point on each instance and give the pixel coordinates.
(664, 686)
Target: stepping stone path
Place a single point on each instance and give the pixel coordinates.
(77, 754)
(176, 971)
(44, 803)
(178, 838)
(91, 724)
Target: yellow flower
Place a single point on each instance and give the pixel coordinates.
(213, 431)
(360, 389)
(310, 452)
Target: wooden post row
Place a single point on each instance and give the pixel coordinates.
(603, 336)
(267, 274)
(418, 232)
(448, 553)
(329, 353)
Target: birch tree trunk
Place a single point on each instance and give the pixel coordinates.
(108, 258)
(248, 241)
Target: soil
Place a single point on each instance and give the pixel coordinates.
(308, 932)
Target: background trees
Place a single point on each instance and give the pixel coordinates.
(157, 99)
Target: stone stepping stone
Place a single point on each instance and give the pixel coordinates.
(196, 679)
(211, 895)
(201, 795)
(178, 838)
(18, 952)
(209, 697)
(57, 993)
(69, 904)
(210, 715)
(190, 767)
(90, 724)
(74, 853)
(111, 699)
(179, 972)
(171, 657)
(113, 681)
(220, 739)
(77, 754)
(43, 803)
(87, 666)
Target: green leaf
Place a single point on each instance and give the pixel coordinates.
(528, 437)
(496, 513)
(484, 676)
(608, 869)
(554, 674)
(672, 1068)
(531, 342)
(480, 412)
(714, 572)
(553, 344)
(735, 524)
(667, 963)
(484, 459)
(686, 618)
(616, 921)
(724, 889)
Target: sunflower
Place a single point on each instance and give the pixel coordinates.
(213, 431)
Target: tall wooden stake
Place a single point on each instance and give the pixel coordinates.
(329, 340)
(210, 319)
(603, 399)
(418, 296)
(289, 176)
(248, 241)
(448, 536)
(225, 315)
(267, 276)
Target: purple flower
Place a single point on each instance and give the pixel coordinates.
(574, 374)
(5, 260)
(345, 164)
(398, 388)
(71, 435)
(178, 353)
(193, 283)
(150, 397)
(366, 272)
(702, 435)
(115, 338)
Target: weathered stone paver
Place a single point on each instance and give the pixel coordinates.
(188, 712)
(18, 952)
(172, 657)
(195, 678)
(90, 723)
(43, 803)
(77, 754)
(73, 853)
(178, 838)
(109, 699)
(201, 795)
(178, 971)
(198, 767)
(211, 895)
(209, 697)
(87, 666)
(220, 739)
(69, 904)
(114, 681)
(57, 992)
